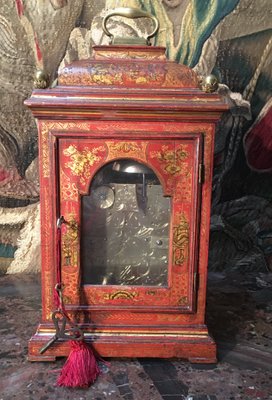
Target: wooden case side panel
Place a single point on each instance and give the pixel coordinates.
(204, 233)
(48, 270)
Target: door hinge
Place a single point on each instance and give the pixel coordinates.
(201, 173)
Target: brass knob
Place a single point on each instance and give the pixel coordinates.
(41, 80)
(130, 13)
(209, 84)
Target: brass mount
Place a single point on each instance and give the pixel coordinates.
(130, 13)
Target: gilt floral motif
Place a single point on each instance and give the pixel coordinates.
(81, 161)
(172, 160)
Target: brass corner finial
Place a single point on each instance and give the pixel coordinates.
(209, 83)
(41, 80)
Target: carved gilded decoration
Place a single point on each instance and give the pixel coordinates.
(180, 240)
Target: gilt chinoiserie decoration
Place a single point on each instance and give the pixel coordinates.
(126, 153)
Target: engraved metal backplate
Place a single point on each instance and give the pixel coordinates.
(125, 230)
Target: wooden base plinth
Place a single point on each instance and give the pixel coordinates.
(195, 348)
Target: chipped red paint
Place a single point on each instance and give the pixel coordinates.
(20, 7)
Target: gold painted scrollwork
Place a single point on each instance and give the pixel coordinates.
(180, 240)
(121, 294)
(69, 243)
(183, 301)
(125, 149)
(69, 190)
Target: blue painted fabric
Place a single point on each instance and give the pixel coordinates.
(206, 16)
(7, 250)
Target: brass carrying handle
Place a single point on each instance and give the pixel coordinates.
(129, 12)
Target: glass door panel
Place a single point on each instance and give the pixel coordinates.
(125, 227)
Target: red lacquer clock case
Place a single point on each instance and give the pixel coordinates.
(127, 104)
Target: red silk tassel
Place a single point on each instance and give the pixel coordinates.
(80, 369)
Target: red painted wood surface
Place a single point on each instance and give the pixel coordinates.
(168, 127)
